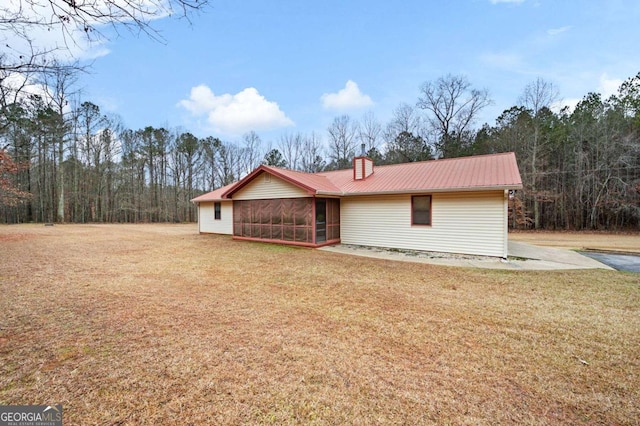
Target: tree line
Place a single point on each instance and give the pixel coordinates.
(64, 161)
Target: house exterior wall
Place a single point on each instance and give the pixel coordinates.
(262, 188)
(470, 223)
(206, 222)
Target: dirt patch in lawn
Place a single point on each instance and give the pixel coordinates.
(148, 324)
(605, 241)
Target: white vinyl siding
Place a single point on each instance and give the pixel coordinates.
(269, 188)
(470, 223)
(368, 168)
(358, 168)
(207, 223)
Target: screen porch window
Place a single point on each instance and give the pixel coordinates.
(286, 219)
(421, 210)
(217, 213)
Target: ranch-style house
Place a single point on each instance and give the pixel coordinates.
(455, 205)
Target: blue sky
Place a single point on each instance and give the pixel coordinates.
(289, 66)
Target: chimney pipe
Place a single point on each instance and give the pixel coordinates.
(363, 152)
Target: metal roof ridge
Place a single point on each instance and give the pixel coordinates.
(435, 160)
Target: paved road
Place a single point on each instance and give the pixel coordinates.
(621, 262)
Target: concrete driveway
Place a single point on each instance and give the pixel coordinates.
(522, 256)
(548, 258)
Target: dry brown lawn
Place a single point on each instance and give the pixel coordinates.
(627, 242)
(155, 324)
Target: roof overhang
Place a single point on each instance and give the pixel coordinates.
(212, 200)
(215, 195)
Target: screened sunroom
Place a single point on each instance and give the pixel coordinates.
(307, 221)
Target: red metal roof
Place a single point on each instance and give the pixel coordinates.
(481, 172)
(215, 195)
(495, 171)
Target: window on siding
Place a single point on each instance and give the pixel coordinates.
(217, 213)
(421, 210)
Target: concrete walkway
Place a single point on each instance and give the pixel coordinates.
(522, 256)
(551, 258)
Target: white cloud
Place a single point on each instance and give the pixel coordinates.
(59, 46)
(609, 86)
(570, 103)
(235, 114)
(348, 98)
(555, 31)
(606, 87)
(19, 87)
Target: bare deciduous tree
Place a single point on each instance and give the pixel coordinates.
(252, 150)
(537, 97)
(290, 146)
(59, 87)
(452, 105)
(312, 154)
(342, 141)
(405, 120)
(76, 21)
(369, 131)
(27, 28)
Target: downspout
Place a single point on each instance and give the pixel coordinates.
(198, 205)
(505, 225)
